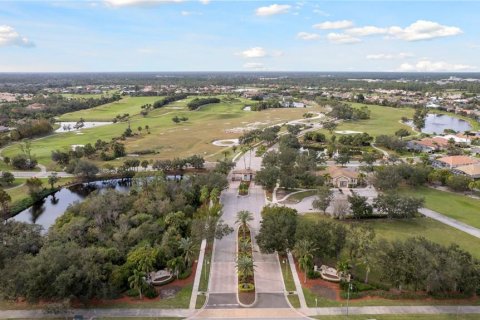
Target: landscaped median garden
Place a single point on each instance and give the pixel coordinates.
(245, 265)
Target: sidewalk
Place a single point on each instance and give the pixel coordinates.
(198, 275)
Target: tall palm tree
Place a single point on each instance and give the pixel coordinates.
(245, 268)
(303, 252)
(243, 217)
(137, 281)
(189, 249)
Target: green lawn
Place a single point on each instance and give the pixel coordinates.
(171, 140)
(287, 274)
(383, 120)
(294, 301)
(22, 191)
(403, 317)
(203, 286)
(430, 229)
(297, 197)
(456, 206)
(107, 112)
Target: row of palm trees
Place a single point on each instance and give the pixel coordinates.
(245, 265)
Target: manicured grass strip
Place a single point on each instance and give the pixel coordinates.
(201, 299)
(297, 197)
(205, 276)
(294, 301)
(287, 274)
(456, 206)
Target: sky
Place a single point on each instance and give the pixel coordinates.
(202, 35)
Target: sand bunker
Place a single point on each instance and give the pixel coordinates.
(347, 132)
(225, 143)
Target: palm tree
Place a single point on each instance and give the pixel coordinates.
(189, 249)
(137, 281)
(226, 153)
(243, 217)
(245, 267)
(245, 247)
(214, 195)
(343, 267)
(175, 265)
(303, 252)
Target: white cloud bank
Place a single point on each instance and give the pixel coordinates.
(417, 31)
(10, 37)
(432, 66)
(273, 10)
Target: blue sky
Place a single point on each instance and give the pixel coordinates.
(175, 35)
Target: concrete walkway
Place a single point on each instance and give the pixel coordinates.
(451, 222)
(198, 275)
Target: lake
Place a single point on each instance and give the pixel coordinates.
(47, 210)
(437, 123)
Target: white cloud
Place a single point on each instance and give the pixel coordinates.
(254, 66)
(273, 9)
(204, 1)
(308, 36)
(10, 37)
(423, 30)
(342, 38)
(389, 56)
(330, 25)
(366, 31)
(431, 66)
(256, 52)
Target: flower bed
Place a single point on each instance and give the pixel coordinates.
(245, 266)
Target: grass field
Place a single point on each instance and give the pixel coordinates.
(383, 120)
(107, 112)
(430, 229)
(456, 206)
(195, 136)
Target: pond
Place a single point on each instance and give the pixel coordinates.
(77, 126)
(47, 210)
(437, 123)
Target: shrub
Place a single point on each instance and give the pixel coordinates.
(150, 292)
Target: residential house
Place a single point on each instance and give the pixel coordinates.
(452, 162)
(428, 144)
(472, 170)
(340, 177)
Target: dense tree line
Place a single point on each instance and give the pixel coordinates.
(346, 112)
(98, 247)
(198, 102)
(54, 105)
(414, 264)
(266, 104)
(169, 99)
